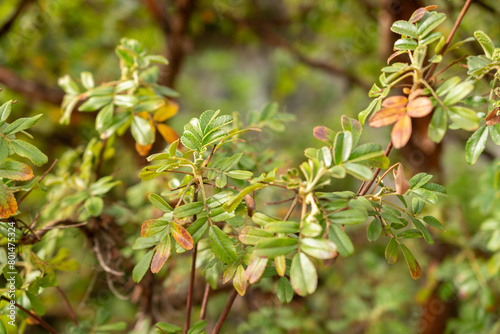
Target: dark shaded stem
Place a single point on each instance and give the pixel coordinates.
(450, 37)
(204, 303)
(68, 305)
(225, 312)
(375, 174)
(40, 180)
(33, 315)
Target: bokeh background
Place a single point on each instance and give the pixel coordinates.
(317, 59)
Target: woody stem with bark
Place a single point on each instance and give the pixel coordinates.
(225, 312)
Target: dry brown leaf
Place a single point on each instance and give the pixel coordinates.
(401, 132)
(182, 236)
(402, 184)
(395, 101)
(420, 107)
(492, 117)
(386, 116)
(167, 133)
(418, 14)
(416, 93)
(143, 150)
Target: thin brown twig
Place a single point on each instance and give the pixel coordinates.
(450, 36)
(384, 175)
(375, 174)
(204, 303)
(225, 312)
(103, 264)
(280, 202)
(31, 314)
(39, 180)
(68, 305)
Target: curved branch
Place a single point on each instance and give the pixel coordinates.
(34, 90)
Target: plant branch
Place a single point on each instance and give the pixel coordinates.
(450, 36)
(68, 305)
(35, 90)
(204, 303)
(10, 22)
(225, 312)
(39, 180)
(31, 314)
(375, 174)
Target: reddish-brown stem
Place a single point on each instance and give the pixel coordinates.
(189, 302)
(68, 305)
(450, 36)
(204, 303)
(33, 315)
(225, 312)
(375, 174)
(40, 180)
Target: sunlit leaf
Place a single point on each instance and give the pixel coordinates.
(161, 255)
(486, 43)
(8, 203)
(303, 275)
(413, 265)
(27, 150)
(419, 107)
(16, 171)
(255, 269)
(475, 145)
(401, 132)
(182, 236)
(240, 281)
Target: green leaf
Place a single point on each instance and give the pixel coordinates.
(168, 328)
(325, 155)
(142, 131)
(318, 248)
(240, 174)
(21, 124)
(29, 151)
(433, 222)
(117, 326)
(438, 125)
(494, 131)
(374, 106)
(95, 103)
(417, 205)
(285, 290)
(273, 247)
(413, 265)
(448, 85)
(198, 328)
(423, 229)
(433, 20)
(188, 210)
(221, 245)
(4, 150)
(303, 275)
(5, 110)
(154, 226)
(475, 145)
(87, 80)
(94, 205)
(252, 235)
(197, 228)
(68, 85)
(410, 234)
(391, 251)
(404, 28)
(104, 118)
(283, 227)
(347, 217)
(240, 281)
(36, 304)
(159, 203)
(419, 180)
(15, 170)
(341, 239)
(463, 118)
(359, 171)
(459, 92)
(486, 43)
(235, 201)
(3, 330)
(354, 127)
(374, 230)
(433, 36)
(144, 106)
(405, 44)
